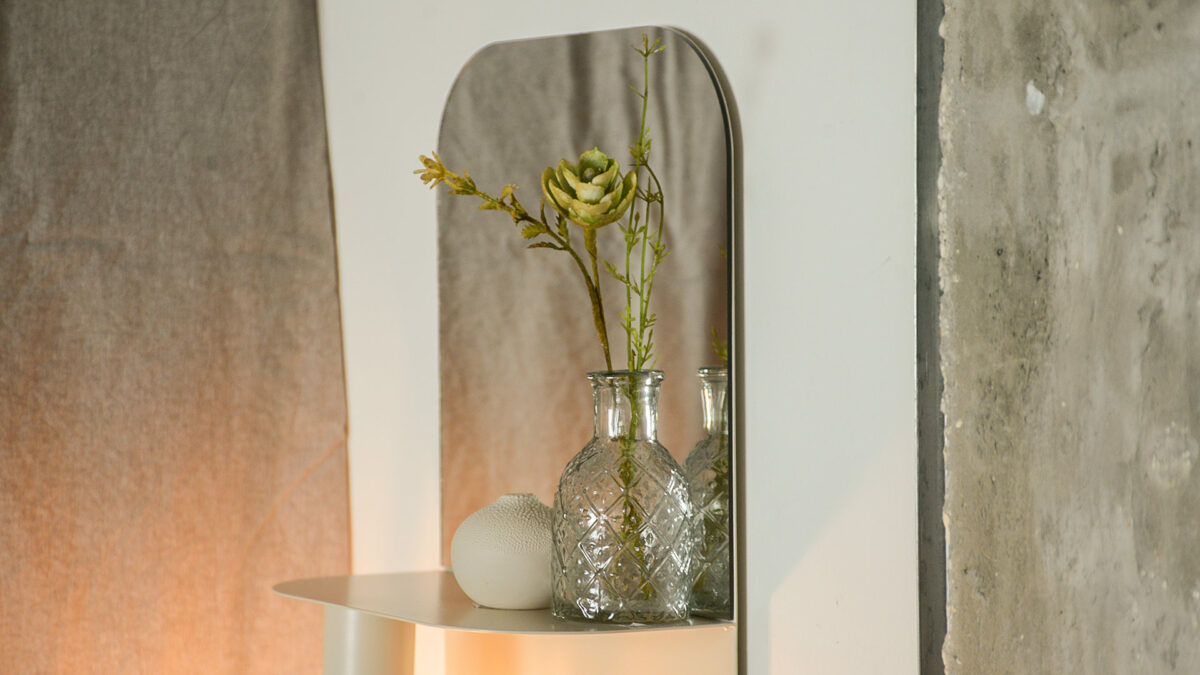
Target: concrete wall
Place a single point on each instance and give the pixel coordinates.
(1069, 219)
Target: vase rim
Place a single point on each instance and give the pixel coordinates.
(703, 371)
(655, 375)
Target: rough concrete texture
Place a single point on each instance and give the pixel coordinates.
(1069, 216)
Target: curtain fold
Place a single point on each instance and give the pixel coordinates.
(172, 400)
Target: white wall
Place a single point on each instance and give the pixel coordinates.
(827, 98)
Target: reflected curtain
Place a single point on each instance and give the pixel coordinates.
(172, 400)
(515, 402)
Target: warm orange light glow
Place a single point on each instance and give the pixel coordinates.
(696, 651)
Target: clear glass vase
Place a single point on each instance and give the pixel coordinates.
(624, 527)
(707, 471)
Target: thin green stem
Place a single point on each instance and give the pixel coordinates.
(630, 237)
(638, 324)
(589, 244)
(436, 172)
(658, 254)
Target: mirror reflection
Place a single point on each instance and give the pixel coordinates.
(517, 330)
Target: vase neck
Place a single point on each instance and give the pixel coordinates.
(714, 389)
(626, 404)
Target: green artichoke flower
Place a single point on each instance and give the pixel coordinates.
(591, 193)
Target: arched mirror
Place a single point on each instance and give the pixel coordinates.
(517, 335)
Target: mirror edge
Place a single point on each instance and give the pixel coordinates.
(734, 233)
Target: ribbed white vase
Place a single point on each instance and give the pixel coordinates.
(501, 554)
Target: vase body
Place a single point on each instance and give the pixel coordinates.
(501, 554)
(707, 471)
(624, 530)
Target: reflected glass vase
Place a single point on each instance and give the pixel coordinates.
(707, 470)
(624, 529)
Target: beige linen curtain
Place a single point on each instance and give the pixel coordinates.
(172, 401)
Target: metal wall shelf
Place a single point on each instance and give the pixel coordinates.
(434, 599)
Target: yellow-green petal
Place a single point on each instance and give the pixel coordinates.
(593, 159)
(568, 177)
(588, 193)
(561, 199)
(547, 181)
(608, 177)
(629, 188)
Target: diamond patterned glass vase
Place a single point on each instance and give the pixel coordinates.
(625, 534)
(707, 470)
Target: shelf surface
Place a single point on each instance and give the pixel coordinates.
(434, 599)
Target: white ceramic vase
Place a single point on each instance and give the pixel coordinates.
(501, 554)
